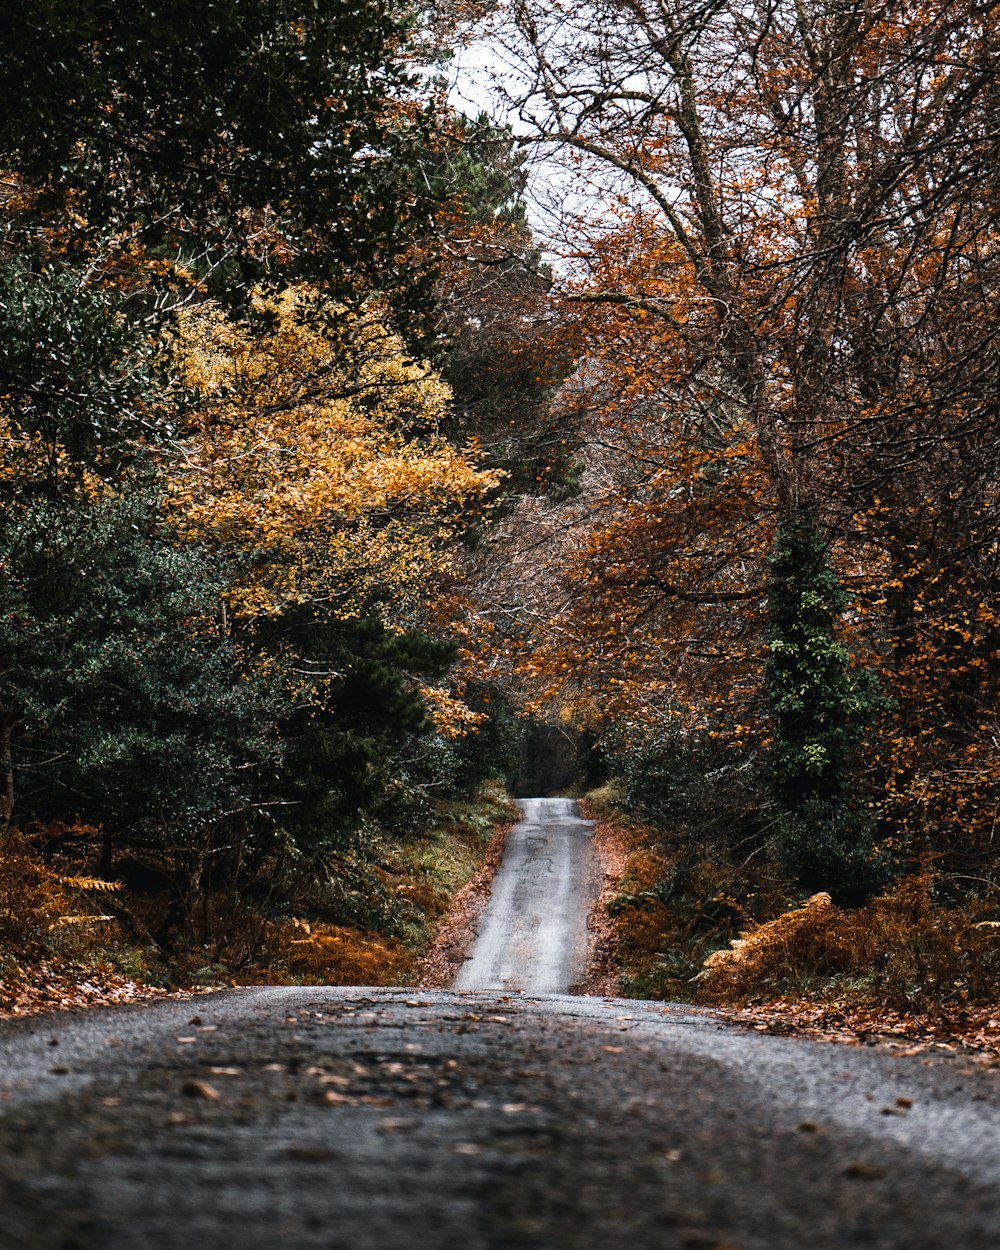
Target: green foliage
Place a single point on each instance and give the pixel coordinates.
(820, 708)
(191, 119)
(354, 745)
(490, 751)
(130, 709)
(658, 778)
(688, 785)
(77, 380)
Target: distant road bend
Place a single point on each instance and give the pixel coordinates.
(499, 1116)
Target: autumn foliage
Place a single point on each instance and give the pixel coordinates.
(320, 475)
(781, 269)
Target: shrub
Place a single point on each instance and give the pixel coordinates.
(904, 951)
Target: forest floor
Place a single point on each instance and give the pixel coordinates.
(427, 890)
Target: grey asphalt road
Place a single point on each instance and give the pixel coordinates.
(354, 1119)
(485, 1118)
(533, 933)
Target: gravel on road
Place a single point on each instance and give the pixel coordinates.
(353, 1119)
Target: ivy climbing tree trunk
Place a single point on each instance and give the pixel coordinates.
(820, 709)
(7, 724)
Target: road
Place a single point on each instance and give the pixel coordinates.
(483, 1119)
(533, 935)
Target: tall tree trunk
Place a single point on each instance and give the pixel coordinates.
(7, 724)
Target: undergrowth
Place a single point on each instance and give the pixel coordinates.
(412, 886)
(674, 907)
(68, 939)
(722, 925)
(906, 951)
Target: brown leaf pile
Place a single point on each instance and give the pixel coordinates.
(615, 844)
(978, 1029)
(29, 989)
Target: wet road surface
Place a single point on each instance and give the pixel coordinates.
(533, 934)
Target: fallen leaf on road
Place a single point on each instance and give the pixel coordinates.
(863, 1172)
(613, 1050)
(310, 1154)
(200, 1089)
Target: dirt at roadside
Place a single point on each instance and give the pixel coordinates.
(613, 844)
(458, 931)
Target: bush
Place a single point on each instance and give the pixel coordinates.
(903, 951)
(688, 785)
(31, 900)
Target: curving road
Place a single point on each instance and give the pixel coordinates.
(533, 934)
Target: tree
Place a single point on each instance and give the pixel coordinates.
(796, 226)
(821, 711)
(81, 385)
(500, 347)
(224, 140)
(314, 466)
(121, 702)
(315, 460)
